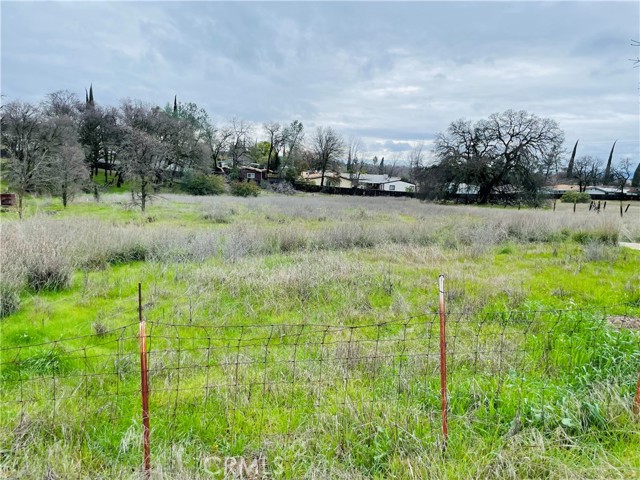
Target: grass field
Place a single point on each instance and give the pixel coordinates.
(299, 331)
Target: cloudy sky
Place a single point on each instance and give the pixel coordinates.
(392, 74)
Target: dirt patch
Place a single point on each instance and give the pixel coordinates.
(622, 321)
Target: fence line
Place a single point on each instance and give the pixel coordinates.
(254, 388)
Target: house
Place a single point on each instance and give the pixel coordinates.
(380, 182)
(252, 174)
(561, 189)
(596, 192)
(331, 179)
(362, 181)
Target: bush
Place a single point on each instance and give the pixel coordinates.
(9, 299)
(203, 184)
(51, 273)
(603, 236)
(133, 252)
(577, 197)
(245, 189)
(283, 188)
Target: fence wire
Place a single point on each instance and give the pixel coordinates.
(235, 389)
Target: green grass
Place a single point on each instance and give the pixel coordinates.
(257, 282)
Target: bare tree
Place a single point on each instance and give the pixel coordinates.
(586, 171)
(68, 171)
(328, 145)
(507, 148)
(355, 163)
(186, 127)
(276, 139)
(218, 140)
(416, 161)
(28, 138)
(62, 103)
(98, 135)
(146, 155)
(239, 142)
(145, 160)
(621, 173)
(392, 170)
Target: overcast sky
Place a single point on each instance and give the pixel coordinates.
(389, 73)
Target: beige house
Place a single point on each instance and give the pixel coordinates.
(331, 179)
(363, 181)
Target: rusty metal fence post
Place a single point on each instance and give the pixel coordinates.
(144, 386)
(443, 362)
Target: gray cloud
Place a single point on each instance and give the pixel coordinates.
(390, 73)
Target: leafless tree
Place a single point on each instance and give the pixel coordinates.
(29, 138)
(355, 162)
(240, 143)
(507, 148)
(218, 139)
(186, 129)
(145, 159)
(98, 135)
(67, 172)
(586, 171)
(392, 170)
(146, 154)
(62, 103)
(621, 173)
(328, 146)
(416, 161)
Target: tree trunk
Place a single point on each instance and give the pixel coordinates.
(484, 193)
(20, 211)
(143, 195)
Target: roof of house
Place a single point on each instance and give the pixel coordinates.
(562, 187)
(372, 178)
(314, 174)
(253, 169)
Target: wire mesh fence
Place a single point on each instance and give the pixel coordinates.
(257, 389)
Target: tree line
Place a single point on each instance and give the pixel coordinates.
(60, 145)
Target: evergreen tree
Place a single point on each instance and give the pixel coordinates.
(572, 160)
(635, 181)
(607, 173)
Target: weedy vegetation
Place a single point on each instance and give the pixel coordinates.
(301, 330)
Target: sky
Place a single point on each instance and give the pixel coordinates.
(390, 74)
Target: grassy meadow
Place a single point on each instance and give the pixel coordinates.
(300, 331)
